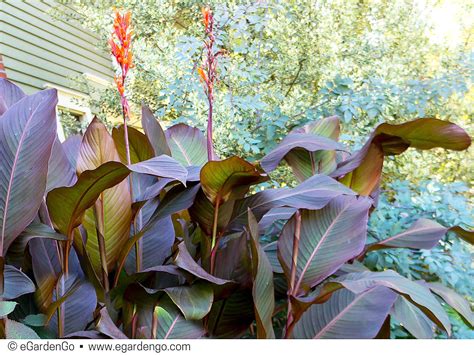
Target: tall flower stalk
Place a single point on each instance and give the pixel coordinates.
(121, 48)
(208, 73)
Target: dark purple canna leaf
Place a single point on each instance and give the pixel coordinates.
(423, 234)
(9, 95)
(229, 179)
(27, 133)
(414, 292)
(347, 315)
(412, 319)
(156, 241)
(314, 193)
(140, 147)
(67, 205)
(16, 283)
(262, 288)
(185, 261)
(329, 237)
(232, 316)
(60, 170)
(106, 325)
(154, 132)
(162, 166)
(456, 301)
(362, 171)
(305, 163)
(172, 324)
(194, 301)
(17, 330)
(111, 214)
(71, 147)
(78, 302)
(466, 235)
(299, 141)
(187, 145)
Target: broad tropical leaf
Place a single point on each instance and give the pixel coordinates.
(347, 315)
(299, 141)
(172, 324)
(140, 147)
(67, 205)
(313, 193)
(60, 171)
(185, 261)
(112, 213)
(423, 234)
(6, 307)
(362, 171)
(412, 319)
(231, 178)
(232, 316)
(71, 147)
(262, 288)
(194, 301)
(456, 301)
(329, 237)
(106, 326)
(27, 133)
(187, 145)
(305, 163)
(154, 132)
(9, 94)
(156, 241)
(16, 283)
(162, 166)
(414, 292)
(17, 330)
(77, 302)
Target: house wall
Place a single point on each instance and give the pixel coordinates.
(40, 50)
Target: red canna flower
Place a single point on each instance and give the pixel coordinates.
(121, 49)
(208, 72)
(206, 16)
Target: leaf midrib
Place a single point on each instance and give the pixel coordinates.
(318, 246)
(12, 174)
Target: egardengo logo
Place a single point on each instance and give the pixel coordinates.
(36, 346)
(47, 346)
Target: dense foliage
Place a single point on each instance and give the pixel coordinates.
(192, 253)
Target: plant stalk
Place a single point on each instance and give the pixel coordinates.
(99, 225)
(294, 262)
(214, 243)
(46, 219)
(138, 245)
(210, 149)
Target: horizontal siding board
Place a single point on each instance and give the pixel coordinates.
(26, 88)
(39, 7)
(19, 34)
(70, 14)
(44, 75)
(53, 42)
(19, 49)
(23, 78)
(40, 19)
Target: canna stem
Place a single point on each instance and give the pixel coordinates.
(294, 261)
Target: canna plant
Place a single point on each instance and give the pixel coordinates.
(177, 251)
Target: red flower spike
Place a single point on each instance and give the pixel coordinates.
(121, 49)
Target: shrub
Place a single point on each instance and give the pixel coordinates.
(183, 256)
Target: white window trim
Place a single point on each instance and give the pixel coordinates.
(73, 101)
(97, 79)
